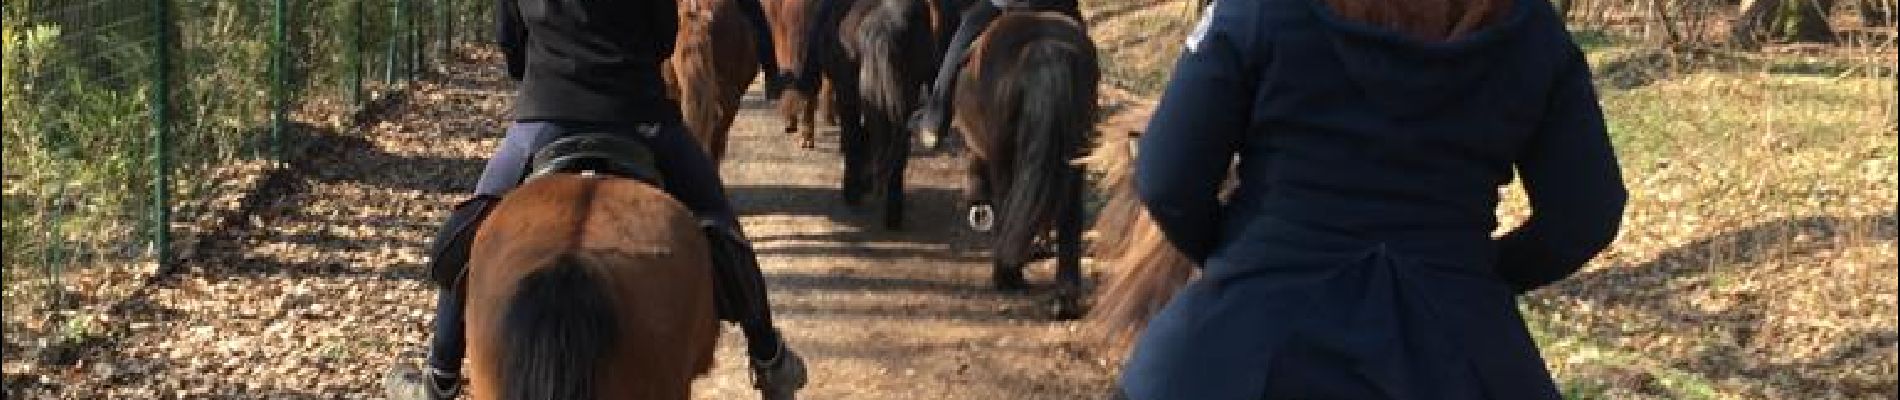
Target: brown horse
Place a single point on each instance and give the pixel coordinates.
(1026, 111)
(789, 20)
(584, 287)
(711, 69)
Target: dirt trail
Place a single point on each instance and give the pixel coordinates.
(323, 290)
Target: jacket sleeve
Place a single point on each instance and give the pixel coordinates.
(1576, 191)
(1198, 127)
(512, 36)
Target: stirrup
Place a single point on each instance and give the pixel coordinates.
(432, 376)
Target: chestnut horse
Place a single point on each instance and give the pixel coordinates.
(1026, 110)
(1147, 269)
(583, 287)
(790, 20)
(712, 66)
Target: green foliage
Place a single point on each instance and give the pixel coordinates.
(79, 98)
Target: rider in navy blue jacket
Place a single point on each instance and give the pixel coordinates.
(1354, 259)
(593, 66)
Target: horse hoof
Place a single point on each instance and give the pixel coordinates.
(1065, 308)
(1009, 280)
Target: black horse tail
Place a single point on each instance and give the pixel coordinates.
(895, 60)
(556, 333)
(893, 47)
(1057, 95)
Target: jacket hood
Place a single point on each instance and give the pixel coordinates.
(1410, 76)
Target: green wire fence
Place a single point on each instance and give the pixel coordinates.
(127, 122)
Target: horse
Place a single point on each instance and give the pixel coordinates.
(1147, 269)
(1026, 111)
(711, 69)
(789, 20)
(589, 286)
(877, 63)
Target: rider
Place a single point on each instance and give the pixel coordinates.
(594, 66)
(1353, 255)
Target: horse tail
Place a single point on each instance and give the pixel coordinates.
(1147, 270)
(888, 48)
(556, 331)
(1112, 163)
(1147, 274)
(1056, 94)
(895, 59)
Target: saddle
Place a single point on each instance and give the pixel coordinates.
(1067, 7)
(600, 153)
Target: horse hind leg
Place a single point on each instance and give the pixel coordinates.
(894, 189)
(1007, 276)
(1067, 302)
(808, 125)
(979, 214)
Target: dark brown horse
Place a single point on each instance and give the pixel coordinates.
(711, 68)
(1026, 111)
(589, 287)
(877, 62)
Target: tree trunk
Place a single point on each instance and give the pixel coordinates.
(1659, 22)
(1807, 21)
(1746, 32)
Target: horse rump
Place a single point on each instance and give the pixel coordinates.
(1053, 118)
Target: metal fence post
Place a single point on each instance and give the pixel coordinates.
(412, 24)
(355, 54)
(161, 134)
(447, 31)
(389, 70)
(280, 66)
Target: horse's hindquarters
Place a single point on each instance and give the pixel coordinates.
(642, 252)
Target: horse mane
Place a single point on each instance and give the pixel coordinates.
(1436, 20)
(556, 311)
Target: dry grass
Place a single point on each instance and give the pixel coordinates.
(1758, 258)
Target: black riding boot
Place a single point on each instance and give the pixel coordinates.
(933, 119)
(440, 376)
(777, 372)
(763, 48)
